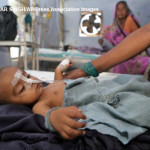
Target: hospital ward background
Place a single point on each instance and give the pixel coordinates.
(38, 35)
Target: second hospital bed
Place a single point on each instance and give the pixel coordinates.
(56, 55)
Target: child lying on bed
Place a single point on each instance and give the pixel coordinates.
(117, 107)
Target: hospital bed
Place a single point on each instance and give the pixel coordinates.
(21, 129)
(23, 48)
(57, 55)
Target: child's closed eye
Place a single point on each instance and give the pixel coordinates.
(22, 89)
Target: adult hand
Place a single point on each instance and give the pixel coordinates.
(63, 120)
(77, 73)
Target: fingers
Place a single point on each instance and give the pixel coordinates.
(75, 74)
(74, 123)
(74, 112)
(66, 124)
(70, 64)
(70, 133)
(76, 115)
(66, 63)
(65, 136)
(75, 108)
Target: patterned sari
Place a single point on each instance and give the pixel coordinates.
(115, 34)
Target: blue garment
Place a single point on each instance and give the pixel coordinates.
(119, 107)
(44, 84)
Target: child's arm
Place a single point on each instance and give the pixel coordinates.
(62, 119)
(61, 68)
(58, 74)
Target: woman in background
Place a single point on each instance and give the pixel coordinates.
(134, 44)
(124, 23)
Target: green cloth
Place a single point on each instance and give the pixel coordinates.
(119, 107)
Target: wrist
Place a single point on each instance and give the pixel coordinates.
(82, 73)
(90, 70)
(48, 124)
(58, 69)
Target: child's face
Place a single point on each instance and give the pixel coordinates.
(19, 93)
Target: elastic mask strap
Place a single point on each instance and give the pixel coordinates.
(29, 81)
(18, 75)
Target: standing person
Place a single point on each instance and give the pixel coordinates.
(124, 23)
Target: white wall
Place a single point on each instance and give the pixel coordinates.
(140, 8)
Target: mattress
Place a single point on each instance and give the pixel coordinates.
(43, 52)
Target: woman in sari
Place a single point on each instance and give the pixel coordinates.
(124, 23)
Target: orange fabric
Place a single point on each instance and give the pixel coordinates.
(130, 25)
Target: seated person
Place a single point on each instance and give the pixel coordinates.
(117, 107)
(124, 23)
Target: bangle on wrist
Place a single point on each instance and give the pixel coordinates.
(90, 70)
(48, 124)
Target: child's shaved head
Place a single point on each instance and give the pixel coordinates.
(6, 76)
(18, 93)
